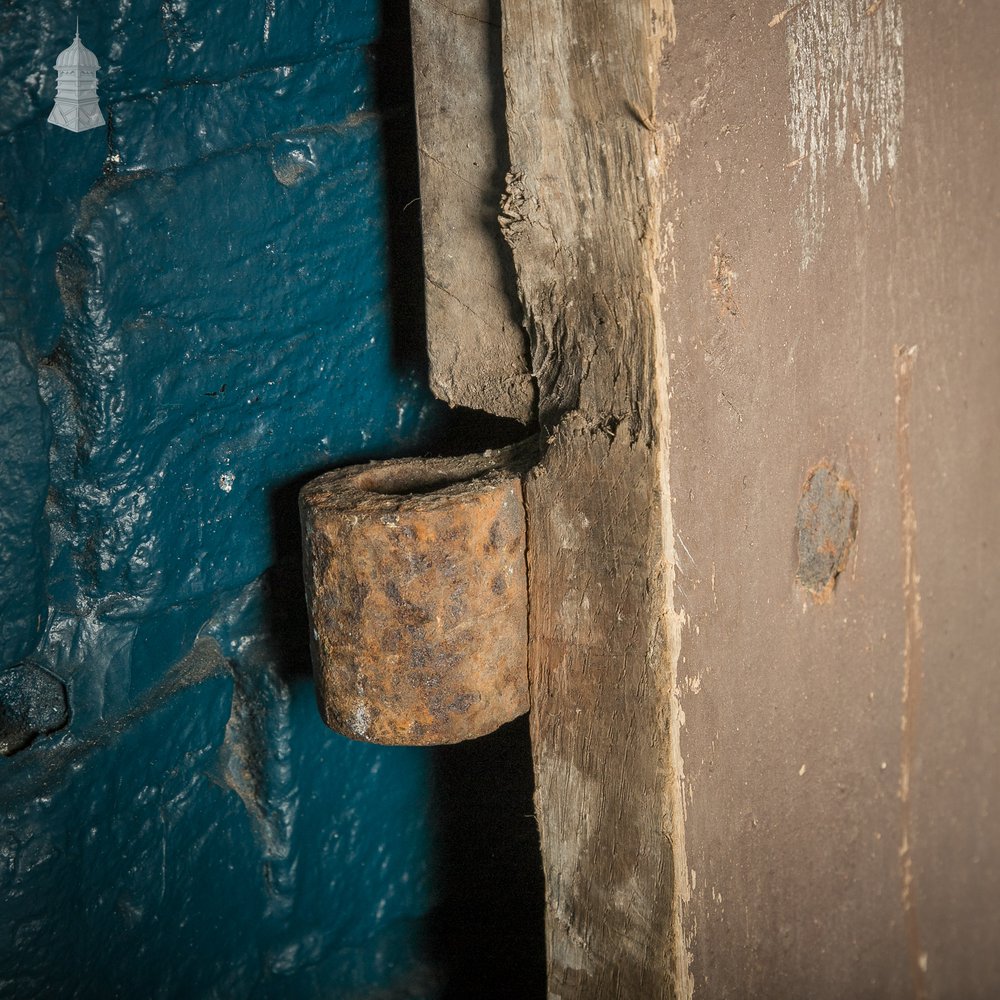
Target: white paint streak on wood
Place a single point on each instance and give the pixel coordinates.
(846, 89)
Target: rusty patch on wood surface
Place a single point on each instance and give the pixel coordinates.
(417, 594)
(825, 527)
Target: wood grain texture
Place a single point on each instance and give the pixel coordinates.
(475, 339)
(581, 216)
(830, 295)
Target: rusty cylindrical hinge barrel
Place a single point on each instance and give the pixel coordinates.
(417, 596)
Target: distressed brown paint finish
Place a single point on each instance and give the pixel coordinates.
(581, 218)
(415, 582)
(836, 181)
(475, 340)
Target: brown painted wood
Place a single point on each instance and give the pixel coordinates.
(830, 294)
(581, 216)
(476, 343)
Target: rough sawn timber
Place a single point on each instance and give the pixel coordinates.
(837, 304)
(582, 216)
(475, 341)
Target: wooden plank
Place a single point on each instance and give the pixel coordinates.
(581, 216)
(830, 293)
(476, 343)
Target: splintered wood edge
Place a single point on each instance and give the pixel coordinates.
(476, 343)
(582, 217)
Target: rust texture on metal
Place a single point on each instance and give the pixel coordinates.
(417, 595)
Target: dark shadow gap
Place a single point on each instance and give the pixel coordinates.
(392, 68)
(486, 933)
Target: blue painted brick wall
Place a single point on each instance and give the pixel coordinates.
(193, 317)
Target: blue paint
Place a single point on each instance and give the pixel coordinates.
(193, 318)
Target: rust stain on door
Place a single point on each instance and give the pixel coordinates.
(826, 526)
